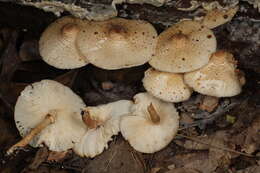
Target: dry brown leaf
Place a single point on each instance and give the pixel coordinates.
(209, 103)
(251, 169)
(182, 170)
(252, 138)
(119, 158)
(40, 157)
(55, 156)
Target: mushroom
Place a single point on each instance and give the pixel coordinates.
(218, 78)
(166, 86)
(57, 44)
(184, 47)
(152, 124)
(103, 123)
(48, 112)
(117, 43)
(217, 17)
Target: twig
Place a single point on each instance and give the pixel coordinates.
(214, 146)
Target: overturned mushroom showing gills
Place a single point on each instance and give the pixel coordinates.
(218, 78)
(184, 47)
(217, 17)
(57, 44)
(48, 112)
(152, 124)
(117, 43)
(166, 86)
(103, 123)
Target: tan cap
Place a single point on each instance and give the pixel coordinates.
(103, 123)
(184, 47)
(166, 86)
(152, 124)
(50, 97)
(217, 17)
(117, 43)
(57, 44)
(218, 78)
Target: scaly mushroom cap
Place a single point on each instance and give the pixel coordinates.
(50, 97)
(218, 78)
(117, 43)
(184, 47)
(57, 44)
(217, 17)
(166, 86)
(147, 133)
(103, 122)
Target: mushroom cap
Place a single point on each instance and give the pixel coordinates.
(44, 97)
(184, 47)
(217, 17)
(57, 44)
(218, 78)
(117, 43)
(166, 86)
(96, 140)
(142, 134)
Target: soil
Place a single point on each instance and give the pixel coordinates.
(234, 123)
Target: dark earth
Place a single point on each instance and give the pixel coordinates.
(233, 125)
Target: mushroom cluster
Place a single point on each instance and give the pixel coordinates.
(112, 44)
(183, 58)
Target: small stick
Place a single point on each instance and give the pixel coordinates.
(214, 146)
(49, 119)
(153, 114)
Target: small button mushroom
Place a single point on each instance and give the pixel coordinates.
(218, 78)
(166, 86)
(152, 124)
(48, 112)
(117, 43)
(57, 44)
(217, 17)
(184, 47)
(103, 123)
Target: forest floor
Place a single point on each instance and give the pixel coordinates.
(213, 137)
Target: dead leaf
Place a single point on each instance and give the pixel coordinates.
(252, 138)
(209, 103)
(117, 159)
(40, 157)
(29, 50)
(182, 170)
(56, 156)
(251, 169)
(67, 78)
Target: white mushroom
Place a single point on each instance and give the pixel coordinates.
(152, 124)
(218, 78)
(103, 122)
(166, 86)
(117, 43)
(184, 47)
(57, 44)
(217, 17)
(48, 112)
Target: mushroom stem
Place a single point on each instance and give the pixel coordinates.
(49, 119)
(90, 123)
(153, 114)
